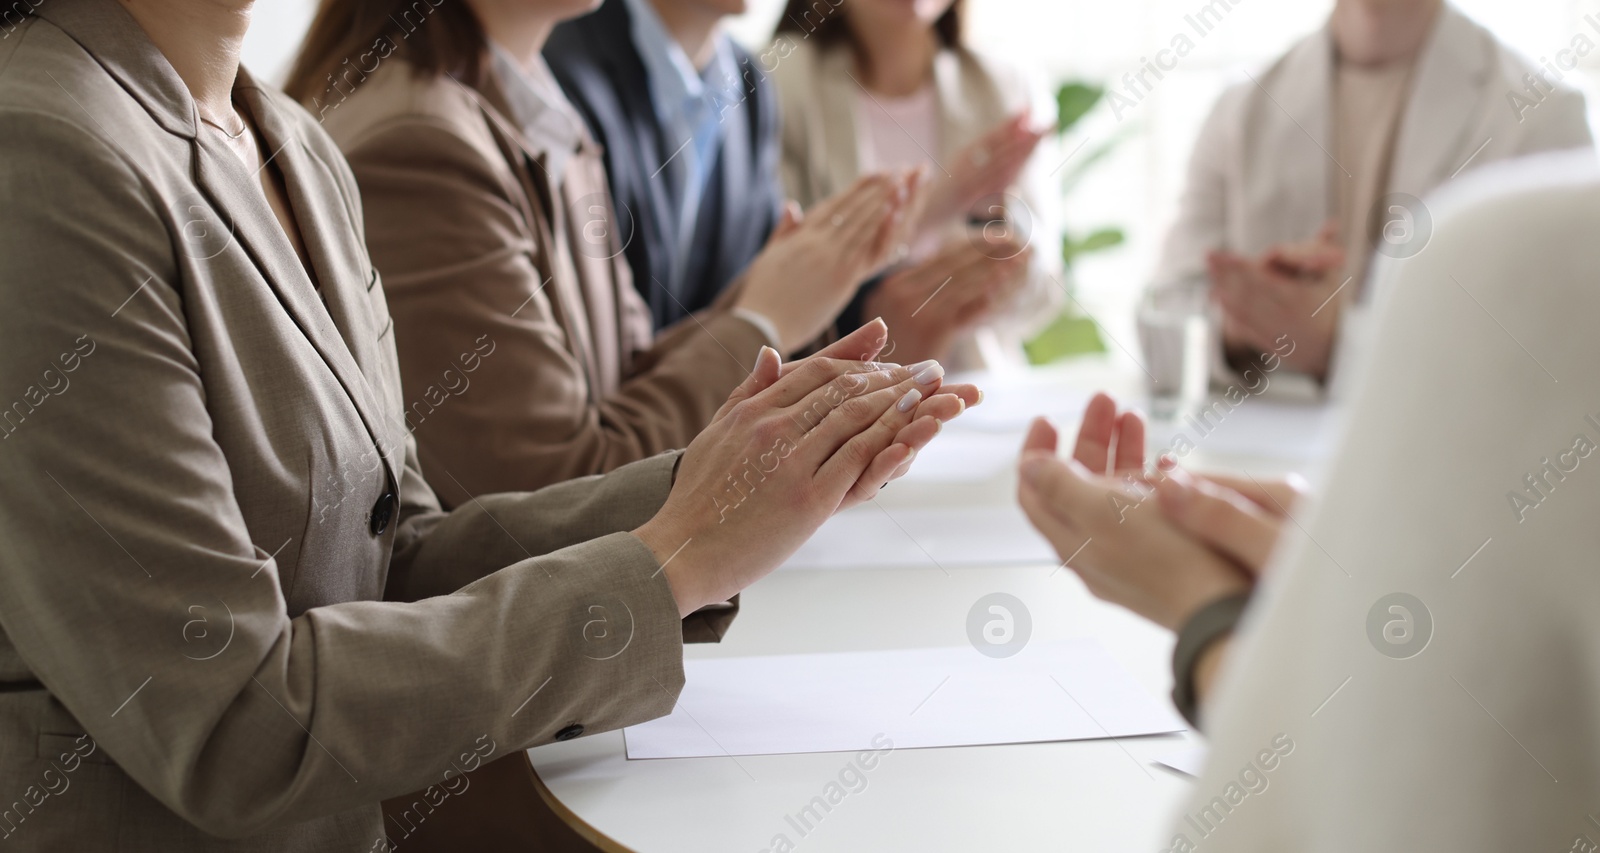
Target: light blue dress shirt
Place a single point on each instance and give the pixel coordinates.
(690, 105)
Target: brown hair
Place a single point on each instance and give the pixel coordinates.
(819, 19)
(349, 38)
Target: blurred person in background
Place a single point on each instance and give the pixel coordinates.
(875, 85)
(1304, 170)
(688, 123)
(527, 356)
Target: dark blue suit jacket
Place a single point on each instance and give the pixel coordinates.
(597, 65)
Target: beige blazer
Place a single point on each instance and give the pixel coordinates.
(212, 511)
(818, 92)
(1462, 714)
(525, 352)
(1259, 172)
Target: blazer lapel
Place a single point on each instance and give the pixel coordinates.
(837, 93)
(611, 28)
(111, 35)
(547, 218)
(235, 193)
(734, 168)
(1445, 106)
(650, 169)
(959, 119)
(1291, 111)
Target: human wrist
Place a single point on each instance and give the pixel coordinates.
(763, 323)
(681, 580)
(1208, 665)
(1200, 649)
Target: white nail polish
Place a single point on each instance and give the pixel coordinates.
(928, 372)
(909, 401)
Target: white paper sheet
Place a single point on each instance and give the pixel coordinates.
(915, 698)
(1188, 762)
(873, 536)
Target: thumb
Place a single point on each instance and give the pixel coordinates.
(769, 366)
(788, 220)
(1042, 437)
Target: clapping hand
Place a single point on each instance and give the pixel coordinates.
(813, 263)
(988, 165)
(930, 303)
(1202, 539)
(791, 447)
(1292, 292)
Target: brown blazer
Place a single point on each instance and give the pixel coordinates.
(525, 351)
(212, 517)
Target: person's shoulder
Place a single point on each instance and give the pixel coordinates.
(1260, 86)
(987, 65)
(997, 82)
(59, 105)
(796, 56)
(576, 44)
(1549, 184)
(1527, 213)
(1515, 73)
(399, 111)
(568, 49)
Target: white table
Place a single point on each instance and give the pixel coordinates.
(1100, 795)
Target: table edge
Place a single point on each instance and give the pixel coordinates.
(599, 839)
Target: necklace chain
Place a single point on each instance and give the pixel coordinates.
(225, 132)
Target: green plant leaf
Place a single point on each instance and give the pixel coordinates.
(1069, 335)
(1098, 241)
(1074, 100)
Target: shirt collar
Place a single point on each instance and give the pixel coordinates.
(544, 115)
(674, 81)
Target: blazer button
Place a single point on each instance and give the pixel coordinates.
(570, 732)
(382, 513)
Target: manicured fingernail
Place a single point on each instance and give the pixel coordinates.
(909, 401)
(927, 372)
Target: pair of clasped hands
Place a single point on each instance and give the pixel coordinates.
(794, 444)
(1159, 541)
